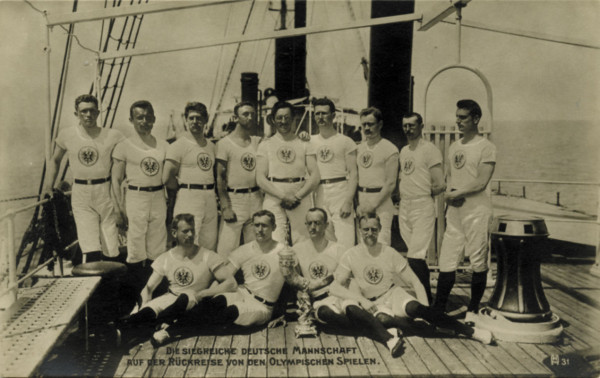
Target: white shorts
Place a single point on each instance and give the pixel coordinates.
(159, 304)
(333, 302)
(392, 303)
(251, 311)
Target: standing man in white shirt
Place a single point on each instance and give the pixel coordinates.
(287, 172)
(421, 178)
(377, 162)
(89, 148)
(141, 157)
(336, 159)
(239, 195)
(471, 161)
(189, 168)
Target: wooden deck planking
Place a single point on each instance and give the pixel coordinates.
(486, 354)
(369, 350)
(580, 272)
(239, 370)
(161, 358)
(445, 354)
(122, 366)
(587, 315)
(194, 370)
(187, 343)
(290, 343)
(575, 327)
(141, 357)
(257, 340)
(428, 356)
(219, 369)
(350, 342)
(524, 358)
(331, 341)
(315, 370)
(569, 277)
(395, 366)
(412, 359)
(275, 339)
(471, 362)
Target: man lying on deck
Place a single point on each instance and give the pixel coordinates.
(190, 269)
(252, 303)
(373, 265)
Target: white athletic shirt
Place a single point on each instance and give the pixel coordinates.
(143, 166)
(241, 161)
(261, 270)
(317, 265)
(415, 177)
(286, 159)
(465, 160)
(89, 158)
(331, 154)
(188, 274)
(371, 162)
(195, 163)
(372, 274)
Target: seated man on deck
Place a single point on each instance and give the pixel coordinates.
(373, 266)
(190, 270)
(252, 304)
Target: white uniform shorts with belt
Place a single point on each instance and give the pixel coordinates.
(251, 310)
(202, 204)
(385, 211)
(147, 233)
(416, 220)
(243, 205)
(392, 303)
(331, 198)
(467, 233)
(295, 217)
(95, 218)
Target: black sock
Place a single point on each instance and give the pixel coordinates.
(388, 321)
(419, 266)
(362, 319)
(436, 317)
(332, 318)
(93, 256)
(478, 282)
(174, 311)
(444, 287)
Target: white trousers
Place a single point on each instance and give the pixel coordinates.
(385, 211)
(147, 232)
(296, 217)
(416, 220)
(331, 198)
(243, 205)
(202, 204)
(95, 218)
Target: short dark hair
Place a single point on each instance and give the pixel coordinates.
(414, 114)
(317, 210)
(281, 105)
(368, 216)
(142, 104)
(263, 213)
(324, 101)
(372, 110)
(197, 107)
(85, 98)
(470, 105)
(185, 217)
(237, 106)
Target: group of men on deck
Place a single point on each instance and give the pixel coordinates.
(265, 189)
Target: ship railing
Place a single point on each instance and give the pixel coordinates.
(9, 283)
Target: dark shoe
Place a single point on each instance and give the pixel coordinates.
(396, 346)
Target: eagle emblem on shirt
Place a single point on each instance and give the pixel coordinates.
(373, 274)
(324, 154)
(286, 155)
(149, 166)
(459, 159)
(408, 166)
(204, 161)
(365, 159)
(183, 276)
(248, 161)
(261, 270)
(318, 270)
(88, 156)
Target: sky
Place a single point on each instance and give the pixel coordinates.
(531, 79)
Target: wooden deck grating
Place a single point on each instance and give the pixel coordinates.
(570, 289)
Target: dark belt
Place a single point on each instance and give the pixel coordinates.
(333, 180)
(288, 180)
(381, 295)
(321, 297)
(369, 190)
(92, 181)
(243, 190)
(197, 186)
(260, 299)
(145, 188)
